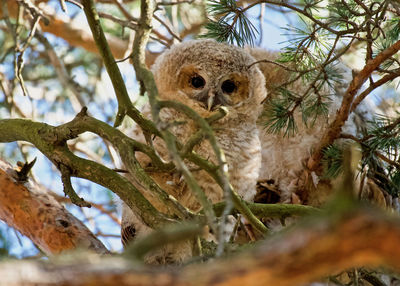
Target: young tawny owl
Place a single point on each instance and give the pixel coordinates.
(205, 75)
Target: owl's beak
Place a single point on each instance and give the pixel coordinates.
(210, 101)
(209, 98)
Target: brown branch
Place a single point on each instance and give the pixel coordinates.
(381, 81)
(326, 245)
(36, 214)
(334, 129)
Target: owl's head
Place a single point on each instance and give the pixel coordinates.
(205, 75)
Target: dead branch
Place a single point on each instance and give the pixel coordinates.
(36, 214)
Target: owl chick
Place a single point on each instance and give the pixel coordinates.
(205, 75)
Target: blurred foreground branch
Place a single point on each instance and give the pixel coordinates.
(317, 247)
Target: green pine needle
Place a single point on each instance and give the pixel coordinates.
(385, 135)
(332, 161)
(278, 117)
(232, 25)
(313, 108)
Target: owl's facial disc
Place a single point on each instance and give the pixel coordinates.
(212, 90)
(213, 97)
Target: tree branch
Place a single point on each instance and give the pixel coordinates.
(51, 141)
(334, 129)
(146, 77)
(36, 214)
(128, 147)
(274, 210)
(381, 81)
(311, 250)
(124, 102)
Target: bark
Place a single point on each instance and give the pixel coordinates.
(75, 35)
(36, 214)
(318, 247)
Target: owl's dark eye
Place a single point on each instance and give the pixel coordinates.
(228, 86)
(197, 81)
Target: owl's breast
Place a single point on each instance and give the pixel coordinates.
(242, 149)
(240, 143)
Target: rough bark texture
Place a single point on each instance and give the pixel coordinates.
(325, 245)
(36, 214)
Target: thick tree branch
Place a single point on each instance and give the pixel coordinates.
(143, 74)
(51, 141)
(36, 214)
(325, 245)
(128, 147)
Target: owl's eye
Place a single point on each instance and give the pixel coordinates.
(228, 86)
(197, 81)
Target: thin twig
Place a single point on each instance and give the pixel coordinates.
(69, 190)
(66, 80)
(100, 207)
(34, 11)
(377, 153)
(127, 146)
(76, 3)
(374, 85)
(221, 176)
(125, 105)
(165, 3)
(173, 34)
(63, 6)
(125, 23)
(20, 58)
